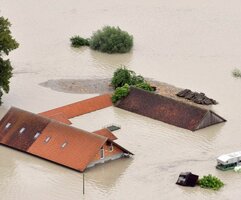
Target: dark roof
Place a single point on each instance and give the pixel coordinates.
(168, 110)
(18, 120)
(80, 146)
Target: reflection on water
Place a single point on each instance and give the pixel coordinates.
(190, 44)
(110, 62)
(105, 176)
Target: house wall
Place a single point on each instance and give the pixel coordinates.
(108, 153)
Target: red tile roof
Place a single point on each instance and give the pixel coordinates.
(81, 146)
(68, 146)
(81, 107)
(60, 117)
(106, 133)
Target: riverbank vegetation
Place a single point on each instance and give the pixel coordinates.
(236, 73)
(123, 79)
(108, 40)
(7, 44)
(210, 182)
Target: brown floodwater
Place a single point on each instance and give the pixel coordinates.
(189, 44)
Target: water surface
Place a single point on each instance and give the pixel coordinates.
(190, 44)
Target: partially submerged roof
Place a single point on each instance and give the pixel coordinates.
(18, 128)
(79, 146)
(81, 107)
(52, 140)
(168, 110)
(60, 117)
(106, 133)
(226, 157)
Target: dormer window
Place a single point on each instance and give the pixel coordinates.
(22, 130)
(7, 125)
(111, 148)
(64, 145)
(36, 135)
(47, 139)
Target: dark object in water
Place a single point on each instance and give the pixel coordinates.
(187, 179)
(199, 98)
(113, 127)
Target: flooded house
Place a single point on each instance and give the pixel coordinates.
(168, 110)
(58, 142)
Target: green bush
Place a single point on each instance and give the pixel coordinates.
(111, 40)
(210, 182)
(121, 77)
(78, 41)
(124, 76)
(145, 86)
(120, 93)
(136, 79)
(236, 73)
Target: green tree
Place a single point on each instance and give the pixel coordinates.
(7, 44)
(121, 77)
(111, 40)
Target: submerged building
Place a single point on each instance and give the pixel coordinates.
(58, 142)
(168, 110)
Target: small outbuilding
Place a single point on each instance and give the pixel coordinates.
(187, 179)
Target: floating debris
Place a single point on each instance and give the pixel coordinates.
(187, 179)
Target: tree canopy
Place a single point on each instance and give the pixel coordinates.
(122, 80)
(7, 44)
(109, 39)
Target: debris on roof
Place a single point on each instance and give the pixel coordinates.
(199, 98)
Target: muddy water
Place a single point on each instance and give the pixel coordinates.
(190, 44)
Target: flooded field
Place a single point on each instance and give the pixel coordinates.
(187, 43)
